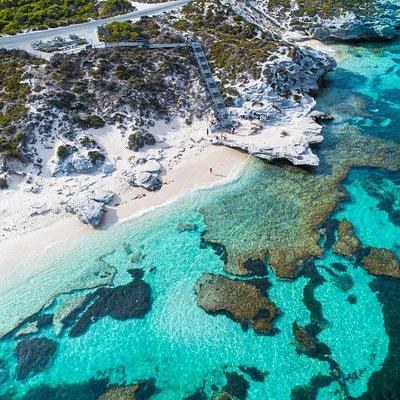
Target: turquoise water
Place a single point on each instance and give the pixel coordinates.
(185, 349)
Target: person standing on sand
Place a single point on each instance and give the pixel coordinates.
(211, 170)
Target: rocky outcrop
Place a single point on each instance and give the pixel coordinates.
(145, 173)
(347, 243)
(33, 356)
(243, 301)
(275, 119)
(102, 196)
(76, 162)
(382, 262)
(87, 210)
(323, 20)
(89, 207)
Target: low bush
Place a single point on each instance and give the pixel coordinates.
(139, 139)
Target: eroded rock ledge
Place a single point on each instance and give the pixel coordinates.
(242, 301)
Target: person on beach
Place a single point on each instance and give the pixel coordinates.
(211, 170)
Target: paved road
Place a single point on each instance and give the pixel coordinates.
(88, 29)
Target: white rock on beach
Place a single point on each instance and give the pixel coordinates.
(103, 196)
(108, 168)
(144, 173)
(86, 209)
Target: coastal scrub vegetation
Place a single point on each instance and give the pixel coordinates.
(75, 92)
(115, 7)
(119, 32)
(14, 91)
(329, 8)
(235, 47)
(3, 183)
(18, 15)
(139, 139)
(321, 8)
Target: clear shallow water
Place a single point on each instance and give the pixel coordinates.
(186, 349)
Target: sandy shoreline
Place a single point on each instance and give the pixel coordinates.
(57, 237)
(185, 156)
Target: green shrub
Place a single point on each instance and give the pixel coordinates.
(88, 142)
(91, 121)
(119, 32)
(16, 15)
(139, 139)
(65, 150)
(3, 183)
(115, 7)
(10, 147)
(96, 157)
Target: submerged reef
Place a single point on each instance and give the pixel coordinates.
(140, 391)
(382, 262)
(243, 301)
(94, 389)
(286, 205)
(33, 356)
(385, 383)
(347, 244)
(307, 343)
(236, 387)
(132, 300)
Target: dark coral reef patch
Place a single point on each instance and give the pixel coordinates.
(132, 300)
(33, 356)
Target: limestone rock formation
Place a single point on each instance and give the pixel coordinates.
(145, 173)
(102, 196)
(356, 28)
(86, 209)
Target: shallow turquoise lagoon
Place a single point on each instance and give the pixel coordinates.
(188, 351)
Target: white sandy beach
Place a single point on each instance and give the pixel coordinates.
(54, 237)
